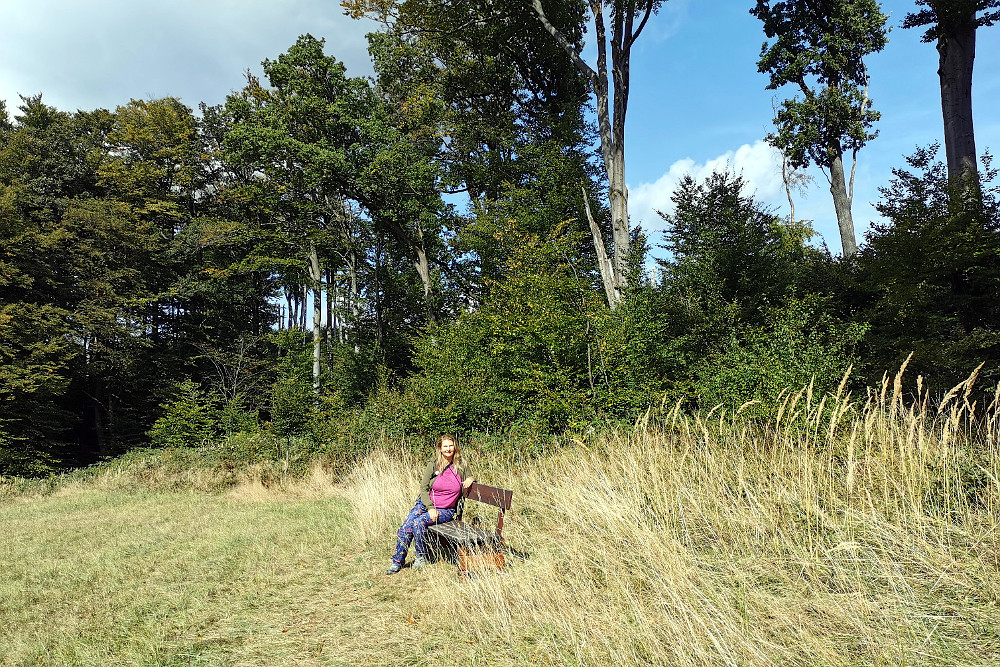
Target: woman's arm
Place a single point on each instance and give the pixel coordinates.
(425, 485)
(466, 474)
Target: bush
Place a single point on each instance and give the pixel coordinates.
(190, 420)
(930, 277)
(521, 357)
(803, 346)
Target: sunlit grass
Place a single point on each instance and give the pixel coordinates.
(841, 532)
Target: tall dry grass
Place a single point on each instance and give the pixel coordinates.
(842, 531)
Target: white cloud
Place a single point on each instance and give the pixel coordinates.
(759, 164)
(102, 54)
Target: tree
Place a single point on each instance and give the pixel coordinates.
(953, 25)
(497, 29)
(820, 48)
(510, 107)
(930, 276)
(627, 18)
(318, 141)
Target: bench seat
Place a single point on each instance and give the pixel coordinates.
(469, 546)
(464, 534)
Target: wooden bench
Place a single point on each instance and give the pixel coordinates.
(476, 548)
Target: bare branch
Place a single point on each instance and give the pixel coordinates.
(573, 54)
(603, 263)
(854, 152)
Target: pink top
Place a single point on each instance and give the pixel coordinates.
(446, 488)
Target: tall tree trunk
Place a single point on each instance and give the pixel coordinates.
(303, 298)
(341, 321)
(611, 128)
(316, 276)
(352, 267)
(418, 256)
(842, 204)
(423, 268)
(331, 306)
(603, 263)
(956, 56)
(618, 193)
(379, 320)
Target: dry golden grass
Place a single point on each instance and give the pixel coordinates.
(842, 532)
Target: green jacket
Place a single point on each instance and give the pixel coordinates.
(430, 472)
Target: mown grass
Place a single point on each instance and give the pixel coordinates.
(842, 532)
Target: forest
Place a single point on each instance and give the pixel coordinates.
(446, 247)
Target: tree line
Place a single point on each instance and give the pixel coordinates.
(292, 262)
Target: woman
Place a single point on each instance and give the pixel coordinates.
(445, 477)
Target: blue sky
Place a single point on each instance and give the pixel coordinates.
(697, 101)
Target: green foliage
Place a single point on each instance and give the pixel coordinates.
(728, 252)
(190, 420)
(820, 49)
(930, 277)
(292, 397)
(737, 315)
(802, 345)
(946, 17)
(522, 355)
(35, 374)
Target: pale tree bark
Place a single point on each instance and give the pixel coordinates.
(331, 304)
(842, 200)
(786, 177)
(355, 300)
(303, 297)
(603, 263)
(418, 255)
(612, 108)
(316, 277)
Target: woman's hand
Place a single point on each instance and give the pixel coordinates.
(433, 514)
(467, 483)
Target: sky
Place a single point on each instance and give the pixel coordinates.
(697, 102)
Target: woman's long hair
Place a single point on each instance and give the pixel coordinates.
(440, 461)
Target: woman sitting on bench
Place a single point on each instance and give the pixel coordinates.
(445, 477)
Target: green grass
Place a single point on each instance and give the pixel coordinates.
(115, 578)
(847, 535)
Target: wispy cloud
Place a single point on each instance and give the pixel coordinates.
(759, 164)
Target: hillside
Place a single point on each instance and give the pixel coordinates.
(829, 539)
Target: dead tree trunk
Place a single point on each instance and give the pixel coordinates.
(316, 277)
(624, 32)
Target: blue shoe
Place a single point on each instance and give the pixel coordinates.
(393, 569)
(419, 562)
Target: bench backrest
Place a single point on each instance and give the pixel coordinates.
(490, 495)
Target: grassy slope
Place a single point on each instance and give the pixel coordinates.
(109, 577)
(687, 545)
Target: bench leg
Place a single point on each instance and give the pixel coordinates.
(479, 559)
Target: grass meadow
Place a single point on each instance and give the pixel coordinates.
(842, 531)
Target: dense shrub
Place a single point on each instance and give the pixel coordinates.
(802, 345)
(522, 355)
(929, 277)
(192, 419)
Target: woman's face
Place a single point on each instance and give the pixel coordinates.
(448, 448)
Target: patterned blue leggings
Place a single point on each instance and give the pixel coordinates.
(414, 529)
